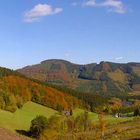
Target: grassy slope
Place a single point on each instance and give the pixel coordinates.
(20, 120)
(122, 131)
(118, 128)
(22, 117)
(108, 118)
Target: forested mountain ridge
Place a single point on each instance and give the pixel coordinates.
(105, 77)
(16, 89)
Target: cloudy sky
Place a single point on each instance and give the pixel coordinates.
(81, 31)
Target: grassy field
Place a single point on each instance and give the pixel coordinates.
(122, 131)
(108, 118)
(115, 128)
(20, 120)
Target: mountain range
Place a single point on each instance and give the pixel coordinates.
(102, 78)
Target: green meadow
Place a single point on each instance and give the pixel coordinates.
(21, 119)
(108, 118)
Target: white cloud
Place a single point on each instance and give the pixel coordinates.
(119, 58)
(39, 11)
(113, 5)
(117, 5)
(90, 3)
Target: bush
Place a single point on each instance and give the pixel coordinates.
(11, 108)
(137, 112)
(38, 125)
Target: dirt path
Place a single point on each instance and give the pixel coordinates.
(8, 135)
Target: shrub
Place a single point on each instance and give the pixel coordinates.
(38, 125)
(137, 112)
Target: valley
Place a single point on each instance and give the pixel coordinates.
(35, 108)
(69, 69)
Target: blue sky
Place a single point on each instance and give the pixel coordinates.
(81, 31)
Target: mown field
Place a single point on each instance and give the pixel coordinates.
(21, 119)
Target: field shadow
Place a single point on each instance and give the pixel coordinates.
(24, 133)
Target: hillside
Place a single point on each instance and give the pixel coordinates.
(20, 122)
(106, 77)
(16, 90)
(21, 118)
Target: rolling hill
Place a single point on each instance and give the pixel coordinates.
(104, 78)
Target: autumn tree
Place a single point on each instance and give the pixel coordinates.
(102, 124)
(137, 112)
